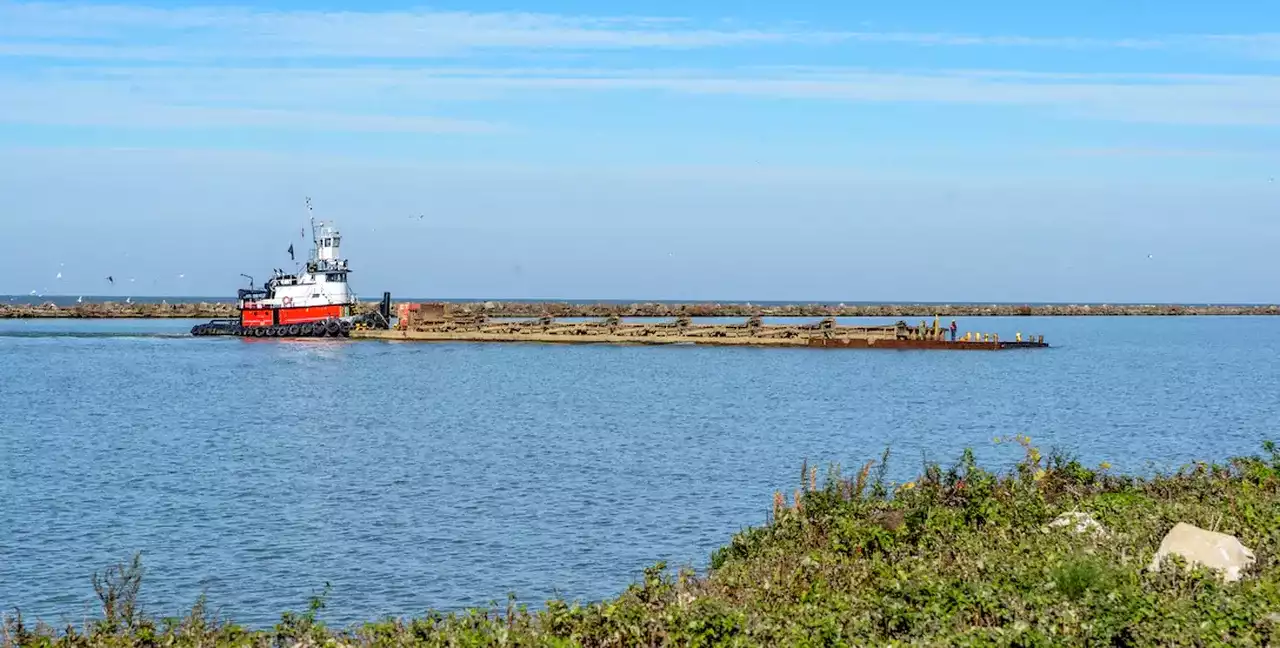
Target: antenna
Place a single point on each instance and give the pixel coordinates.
(315, 242)
(249, 278)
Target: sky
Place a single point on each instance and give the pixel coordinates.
(1092, 151)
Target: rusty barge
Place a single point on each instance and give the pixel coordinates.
(437, 322)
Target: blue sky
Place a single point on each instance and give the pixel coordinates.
(1093, 151)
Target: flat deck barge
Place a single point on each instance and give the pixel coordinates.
(435, 323)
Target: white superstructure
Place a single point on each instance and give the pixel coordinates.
(321, 281)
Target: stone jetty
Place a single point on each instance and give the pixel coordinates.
(712, 309)
(203, 310)
(111, 310)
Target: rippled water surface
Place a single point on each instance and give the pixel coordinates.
(414, 476)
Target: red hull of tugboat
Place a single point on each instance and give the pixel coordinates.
(299, 315)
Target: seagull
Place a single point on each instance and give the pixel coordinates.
(181, 276)
(59, 276)
(128, 300)
(80, 299)
(111, 279)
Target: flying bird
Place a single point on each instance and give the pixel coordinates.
(291, 252)
(111, 279)
(59, 276)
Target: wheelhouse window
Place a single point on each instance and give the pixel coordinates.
(336, 277)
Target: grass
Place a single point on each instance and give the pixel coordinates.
(959, 556)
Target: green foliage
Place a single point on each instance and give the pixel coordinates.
(959, 556)
(1079, 576)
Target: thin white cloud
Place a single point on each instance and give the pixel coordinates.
(1255, 46)
(41, 29)
(1164, 152)
(78, 51)
(286, 96)
(217, 73)
(143, 32)
(96, 105)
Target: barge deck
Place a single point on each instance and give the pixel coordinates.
(434, 323)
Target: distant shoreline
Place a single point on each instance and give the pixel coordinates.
(121, 310)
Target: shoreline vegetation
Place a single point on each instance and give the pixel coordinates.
(1048, 553)
(213, 310)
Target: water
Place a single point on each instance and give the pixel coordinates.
(415, 476)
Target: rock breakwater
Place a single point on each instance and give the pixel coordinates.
(108, 310)
(655, 309)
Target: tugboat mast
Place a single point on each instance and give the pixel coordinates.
(315, 243)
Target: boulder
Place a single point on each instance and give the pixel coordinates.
(1217, 551)
(1079, 523)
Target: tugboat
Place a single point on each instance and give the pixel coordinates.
(316, 302)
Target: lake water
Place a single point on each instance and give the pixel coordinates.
(415, 476)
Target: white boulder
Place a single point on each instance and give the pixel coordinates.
(1079, 523)
(1217, 551)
